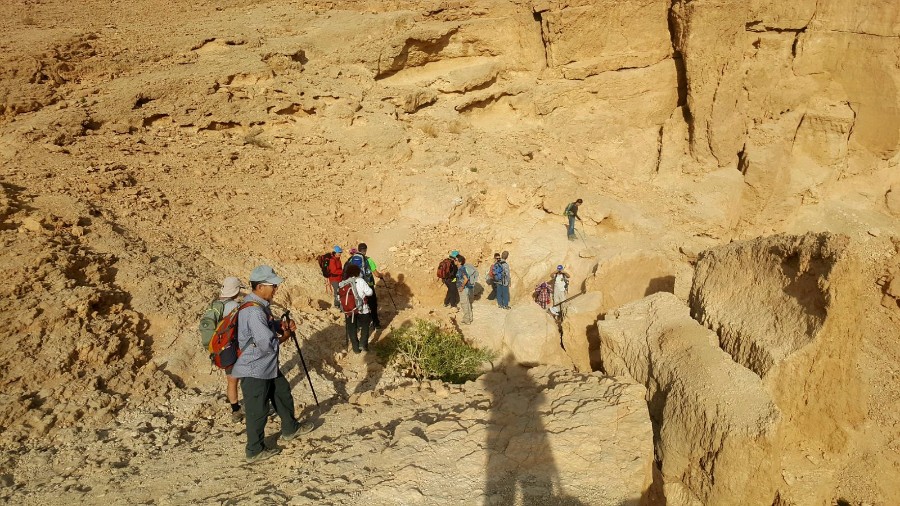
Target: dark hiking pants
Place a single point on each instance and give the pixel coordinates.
(257, 393)
(452, 297)
(358, 330)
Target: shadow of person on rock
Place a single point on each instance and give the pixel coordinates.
(398, 289)
(521, 468)
(319, 351)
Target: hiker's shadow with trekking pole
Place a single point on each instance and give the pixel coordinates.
(397, 292)
(320, 350)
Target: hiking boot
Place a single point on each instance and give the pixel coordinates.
(237, 416)
(263, 455)
(303, 428)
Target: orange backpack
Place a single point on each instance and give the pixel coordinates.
(223, 347)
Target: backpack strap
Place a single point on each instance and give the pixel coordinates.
(237, 329)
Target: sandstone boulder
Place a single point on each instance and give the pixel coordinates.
(806, 339)
(580, 339)
(717, 427)
(531, 335)
(542, 436)
(630, 276)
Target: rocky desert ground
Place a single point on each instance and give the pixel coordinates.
(738, 336)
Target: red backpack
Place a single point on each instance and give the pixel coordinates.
(351, 303)
(443, 270)
(324, 259)
(223, 347)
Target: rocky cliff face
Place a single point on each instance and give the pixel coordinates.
(151, 148)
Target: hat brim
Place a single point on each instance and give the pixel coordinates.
(230, 292)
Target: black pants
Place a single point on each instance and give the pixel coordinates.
(373, 308)
(257, 393)
(452, 297)
(358, 324)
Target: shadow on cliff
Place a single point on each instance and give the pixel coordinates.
(521, 468)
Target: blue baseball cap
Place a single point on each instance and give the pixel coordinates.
(337, 249)
(265, 274)
(559, 267)
(454, 254)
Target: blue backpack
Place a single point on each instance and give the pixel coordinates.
(363, 263)
(497, 272)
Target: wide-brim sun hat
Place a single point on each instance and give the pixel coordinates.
(231, 287)
(265, 274)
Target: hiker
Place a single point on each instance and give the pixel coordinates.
(559, 280)
(543, 294)
(331, 265)
(494, 273)
(368, 271)
(355, 294)
(572, 213)
(231, 288)
(464, 285)
(218, 308)
(500, 273)
(259, 338)
(446, 272)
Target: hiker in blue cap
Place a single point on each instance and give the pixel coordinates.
(259, 339)
(446, 272)
(335, 273)
(559, 280)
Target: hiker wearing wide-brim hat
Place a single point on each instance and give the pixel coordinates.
(228, 295)
(259, 338)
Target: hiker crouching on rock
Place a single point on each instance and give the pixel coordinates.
(357, 320)
(259, 338)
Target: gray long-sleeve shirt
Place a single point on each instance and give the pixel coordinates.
(258, 337)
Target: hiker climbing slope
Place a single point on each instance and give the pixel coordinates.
(333, 271)
(446, 272)
(368, 271)
(572, 213)
(355, 294)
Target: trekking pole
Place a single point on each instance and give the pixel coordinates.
(567, 300)
(287, 317)
(582, 236)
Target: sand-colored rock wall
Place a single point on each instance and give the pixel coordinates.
(716, 427)
(806, 340)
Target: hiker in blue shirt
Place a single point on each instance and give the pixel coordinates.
(502, 279)
(465, 285)
(259, 338)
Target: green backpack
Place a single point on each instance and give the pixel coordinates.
(210, 320)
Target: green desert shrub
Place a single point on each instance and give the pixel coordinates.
(423, 350)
